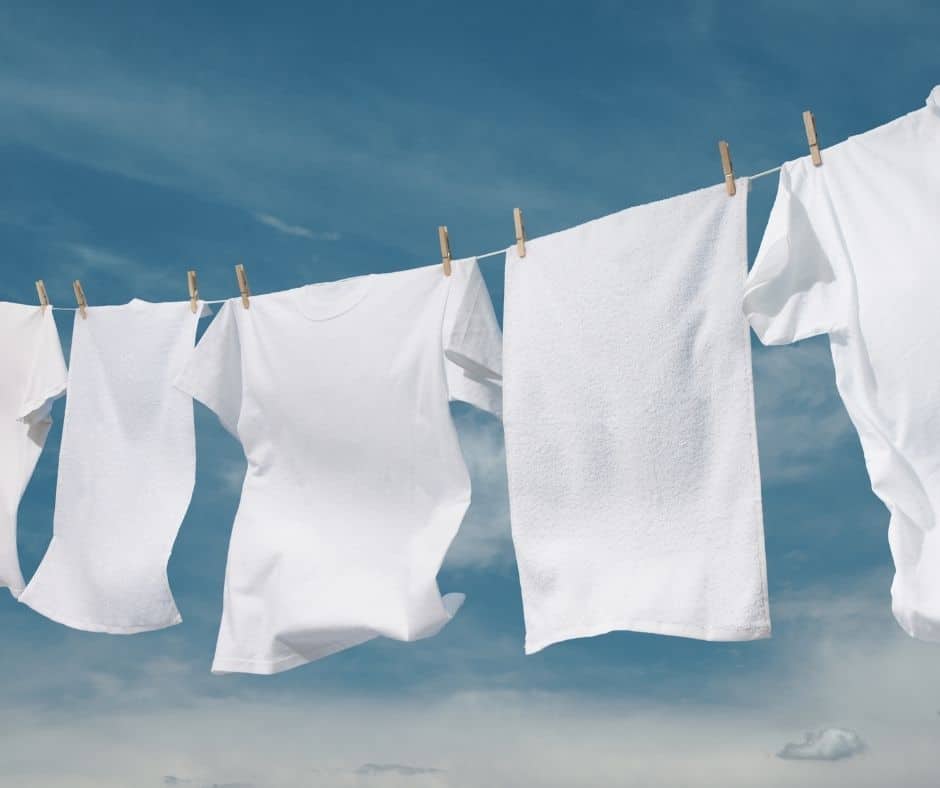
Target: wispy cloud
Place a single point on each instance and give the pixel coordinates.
(801, 420)
(396, 768)
(295, 229)
(190, 727)
(484, 539)
(88, 261)
(828, 744)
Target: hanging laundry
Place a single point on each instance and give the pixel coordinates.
(850, 250)
(33, 376)
(355, 485)
(126, 471)
(634, 488)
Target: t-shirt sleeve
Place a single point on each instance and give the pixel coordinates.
(213, 372)
(793, 291)
(472, 340)
(48, 377)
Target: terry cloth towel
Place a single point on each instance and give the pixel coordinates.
(629, 416)
(33, 376)
(126, 471)
(851, 251)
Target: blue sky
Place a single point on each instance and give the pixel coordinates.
(315, 141)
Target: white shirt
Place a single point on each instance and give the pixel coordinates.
(851, 250)
(33, 375)
(355, 484)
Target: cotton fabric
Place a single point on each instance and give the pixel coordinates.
(629, 417)
(126, 471)
(355, 484)
(850, 250)
(33, 376)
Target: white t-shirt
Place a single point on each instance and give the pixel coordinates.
(355, 484)
(126, 471)
(851, 251)
(33, 375)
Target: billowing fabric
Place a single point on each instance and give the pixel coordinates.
(355, 485)
(851, 250)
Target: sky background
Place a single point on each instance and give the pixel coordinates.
(317, 141)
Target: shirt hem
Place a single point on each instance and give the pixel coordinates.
(107, 629)
(260, 667)
(721, 634)
(221, 666)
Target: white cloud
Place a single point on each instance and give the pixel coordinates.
(165, 717)
(86, 262)
(295, 229)
(828, 744)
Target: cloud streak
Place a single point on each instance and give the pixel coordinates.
(396, 768)
(295, 229)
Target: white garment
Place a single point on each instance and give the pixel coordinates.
(126, 471)
(634, 488)
(33, 375)
(355, 484)
(851, 251)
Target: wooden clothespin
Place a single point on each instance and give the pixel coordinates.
(80, 298)
(809, 121)
(43, 295)
(520, 231)
(193, 290)
(445, 249)
(727, 167)
(242, 284)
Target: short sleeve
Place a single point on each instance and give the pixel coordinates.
(792, 291)
(48, 377)
(213, 372)
(472, 340)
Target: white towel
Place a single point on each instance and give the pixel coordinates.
(33, 375)
(630, 435)
(126, 471)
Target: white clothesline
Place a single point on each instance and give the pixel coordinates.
(477, 257)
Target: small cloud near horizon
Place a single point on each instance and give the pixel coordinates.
(826, 744)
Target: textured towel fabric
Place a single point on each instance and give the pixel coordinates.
(33, 375)
(126, 471)
(355, 485)
(629, 417)
(851, 250)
